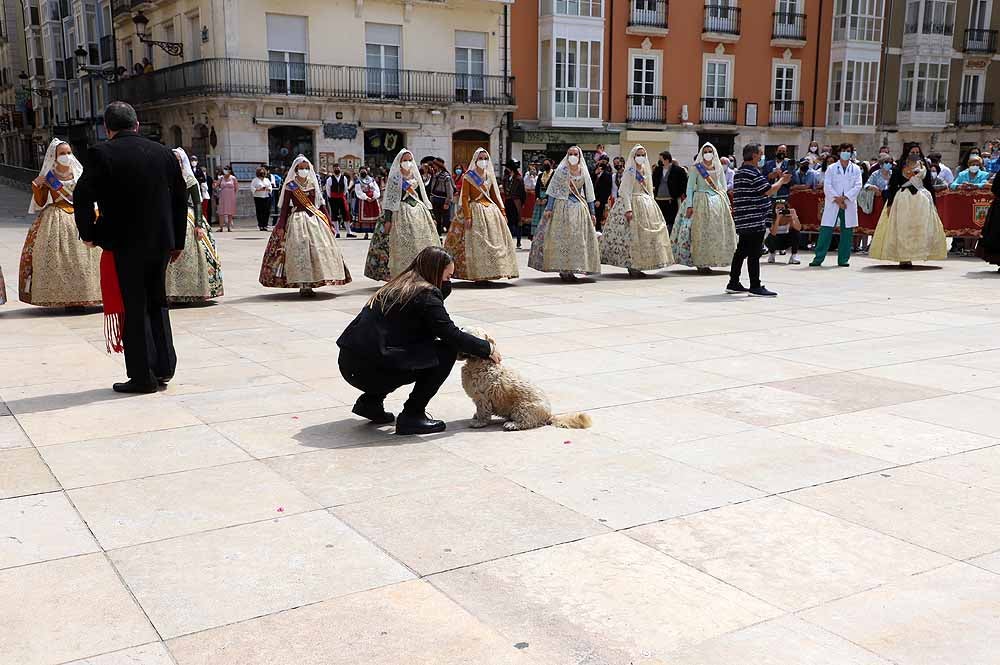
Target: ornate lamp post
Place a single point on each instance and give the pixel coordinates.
(170, 48)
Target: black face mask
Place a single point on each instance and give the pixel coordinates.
(446, 289)
(364, 174)
(546, 168)
(780, 155)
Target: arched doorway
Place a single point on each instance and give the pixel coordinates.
(176, 137)
(464, 144)
(284, 144)
(199, 141)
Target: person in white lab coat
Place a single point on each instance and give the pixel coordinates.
(841, 186)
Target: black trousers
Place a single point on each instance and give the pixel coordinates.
(148, 340)
(669, 210)
(513, 209)
(262, 206)
(440, 214)
(788, 240)
(747, 249)
(377, 382)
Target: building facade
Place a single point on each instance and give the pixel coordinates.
(15, 144)
(68, 45)
(346, 81)
(669, 75)
(942, 79)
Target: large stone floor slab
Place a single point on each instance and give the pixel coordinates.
(810, 479)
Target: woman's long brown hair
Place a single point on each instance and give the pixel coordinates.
(422, 274)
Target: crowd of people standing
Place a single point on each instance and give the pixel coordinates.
(85, 248)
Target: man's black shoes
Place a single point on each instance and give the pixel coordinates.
(419, 424)
(135, 387)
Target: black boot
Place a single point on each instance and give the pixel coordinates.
(418, 424)
(373, 410)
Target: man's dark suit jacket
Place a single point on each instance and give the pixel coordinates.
(139, 189)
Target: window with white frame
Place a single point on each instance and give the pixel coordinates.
(717, 107)
(858, 20)
(470, 65)
(785, 106)
(720, 16)
(645, 102)
(287, 47)
(979, 15)
(586, 8)
(382, 58)
(924, 87)
(789, 22)
(577, 80)
(930, 17)
(853, 93)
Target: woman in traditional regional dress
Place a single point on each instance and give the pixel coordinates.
(566, 240)
(541, 200)
(227, 186)
(704, 236)
(197, 274)
(407, 226)
(478, 238)
(909, 229)
(302, 252)
(57, 269)
(635, 235)
(989, 241)
(367, 192)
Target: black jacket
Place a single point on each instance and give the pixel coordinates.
(677, 182)
(403, 337)
(138, 187)
(602, 187)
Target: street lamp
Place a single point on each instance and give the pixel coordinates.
(82, 55)
(170, 48)
(41, 92)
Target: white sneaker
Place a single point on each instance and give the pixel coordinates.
(793, 260)
(770, 257)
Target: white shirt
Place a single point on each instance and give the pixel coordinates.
(261, 182)
(946, 174)
(729, 178)
(529, 181)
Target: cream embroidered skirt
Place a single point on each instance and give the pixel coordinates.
(566, 241)
(57, 269)
(909, 231)
(643, 243)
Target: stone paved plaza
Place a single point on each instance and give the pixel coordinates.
(809, 480)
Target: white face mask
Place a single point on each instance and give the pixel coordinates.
(707, 157)
(483, 164)
(406, 165)
(225, 171)
(972, 169)
(302, 173)
(640, 160)
(573, 160)
(64, 160)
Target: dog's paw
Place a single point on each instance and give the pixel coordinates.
(478, 424)
(511, 426)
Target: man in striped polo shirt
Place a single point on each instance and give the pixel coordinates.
(752, 213)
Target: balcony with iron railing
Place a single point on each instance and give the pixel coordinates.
(786, 113)
(980, 41)
(721, 23)
(126, 7)
(259, 78)
(648, 17)
(974, 113)
(718, 110)
(647, 109)
(788, 29)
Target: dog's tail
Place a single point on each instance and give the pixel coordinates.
(572, 421)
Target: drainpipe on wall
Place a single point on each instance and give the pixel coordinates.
(506, 145)
(819, 36)
(611, 69)
(881, 69)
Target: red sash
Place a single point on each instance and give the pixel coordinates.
(114, 306)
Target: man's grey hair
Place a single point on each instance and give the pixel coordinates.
(120, 116)
(749, 150)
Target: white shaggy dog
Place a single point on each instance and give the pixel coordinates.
(500, 391)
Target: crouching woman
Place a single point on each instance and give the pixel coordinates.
(404, 335)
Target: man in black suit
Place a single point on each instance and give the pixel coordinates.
(669, 187)
(138, 186)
